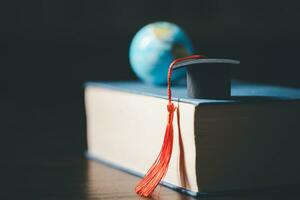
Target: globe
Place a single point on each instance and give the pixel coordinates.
(154, 47)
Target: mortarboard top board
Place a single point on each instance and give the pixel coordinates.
(208, 78)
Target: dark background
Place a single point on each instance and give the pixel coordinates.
(49, 48)
(52, 47)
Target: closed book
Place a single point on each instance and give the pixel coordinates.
(250, 141)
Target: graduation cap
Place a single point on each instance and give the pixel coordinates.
(207, 78)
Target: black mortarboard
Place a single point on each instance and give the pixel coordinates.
(208, 78)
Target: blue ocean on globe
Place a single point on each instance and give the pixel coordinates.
(154, 47)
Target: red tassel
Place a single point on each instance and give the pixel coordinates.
(160, 166)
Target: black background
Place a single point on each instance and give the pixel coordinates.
(49, 48)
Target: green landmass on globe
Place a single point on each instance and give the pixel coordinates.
(154, 47)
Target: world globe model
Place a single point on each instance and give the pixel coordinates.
(154, 47)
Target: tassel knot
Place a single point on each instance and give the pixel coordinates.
(171, 108)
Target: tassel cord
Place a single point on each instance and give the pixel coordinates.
(159, 168)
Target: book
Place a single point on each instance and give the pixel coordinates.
(250, 141)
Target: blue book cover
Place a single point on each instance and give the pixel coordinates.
(240, 92)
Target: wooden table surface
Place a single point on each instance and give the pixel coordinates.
(42, 157)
